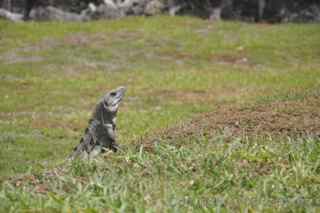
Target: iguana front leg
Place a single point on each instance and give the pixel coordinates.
(109, 141)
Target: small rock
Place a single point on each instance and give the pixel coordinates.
(154, 7)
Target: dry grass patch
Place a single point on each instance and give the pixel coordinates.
(296, 118)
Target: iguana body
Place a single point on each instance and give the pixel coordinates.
(100, 133)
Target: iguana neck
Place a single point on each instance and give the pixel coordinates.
(104, 116)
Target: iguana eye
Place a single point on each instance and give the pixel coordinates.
(113, 93)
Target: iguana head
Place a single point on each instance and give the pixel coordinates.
(112, 99)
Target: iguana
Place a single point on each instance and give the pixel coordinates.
(100, 133)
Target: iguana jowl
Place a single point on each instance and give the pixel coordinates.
(100, 133)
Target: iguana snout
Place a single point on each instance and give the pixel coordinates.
(113, 98)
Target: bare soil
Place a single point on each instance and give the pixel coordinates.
(233, 59)
(296, 118)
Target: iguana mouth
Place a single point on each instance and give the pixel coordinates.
(117, 100)
(118, 95)
(114, 98)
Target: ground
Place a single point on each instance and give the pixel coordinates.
(292, 118)
(217, 115)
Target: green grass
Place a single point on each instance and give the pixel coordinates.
(52, 74)
(203, 174)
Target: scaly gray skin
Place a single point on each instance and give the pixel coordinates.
(100, 134)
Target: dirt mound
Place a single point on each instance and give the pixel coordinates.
(279, 119)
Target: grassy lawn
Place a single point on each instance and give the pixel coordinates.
(175, 68)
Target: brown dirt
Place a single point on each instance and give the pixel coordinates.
(279, 119)
(233, 59)
(217, 95)
(85, 40)
(22, 55)
(192, 96)
(18, 55)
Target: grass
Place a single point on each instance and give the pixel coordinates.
(202, 174)
(52, 74)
